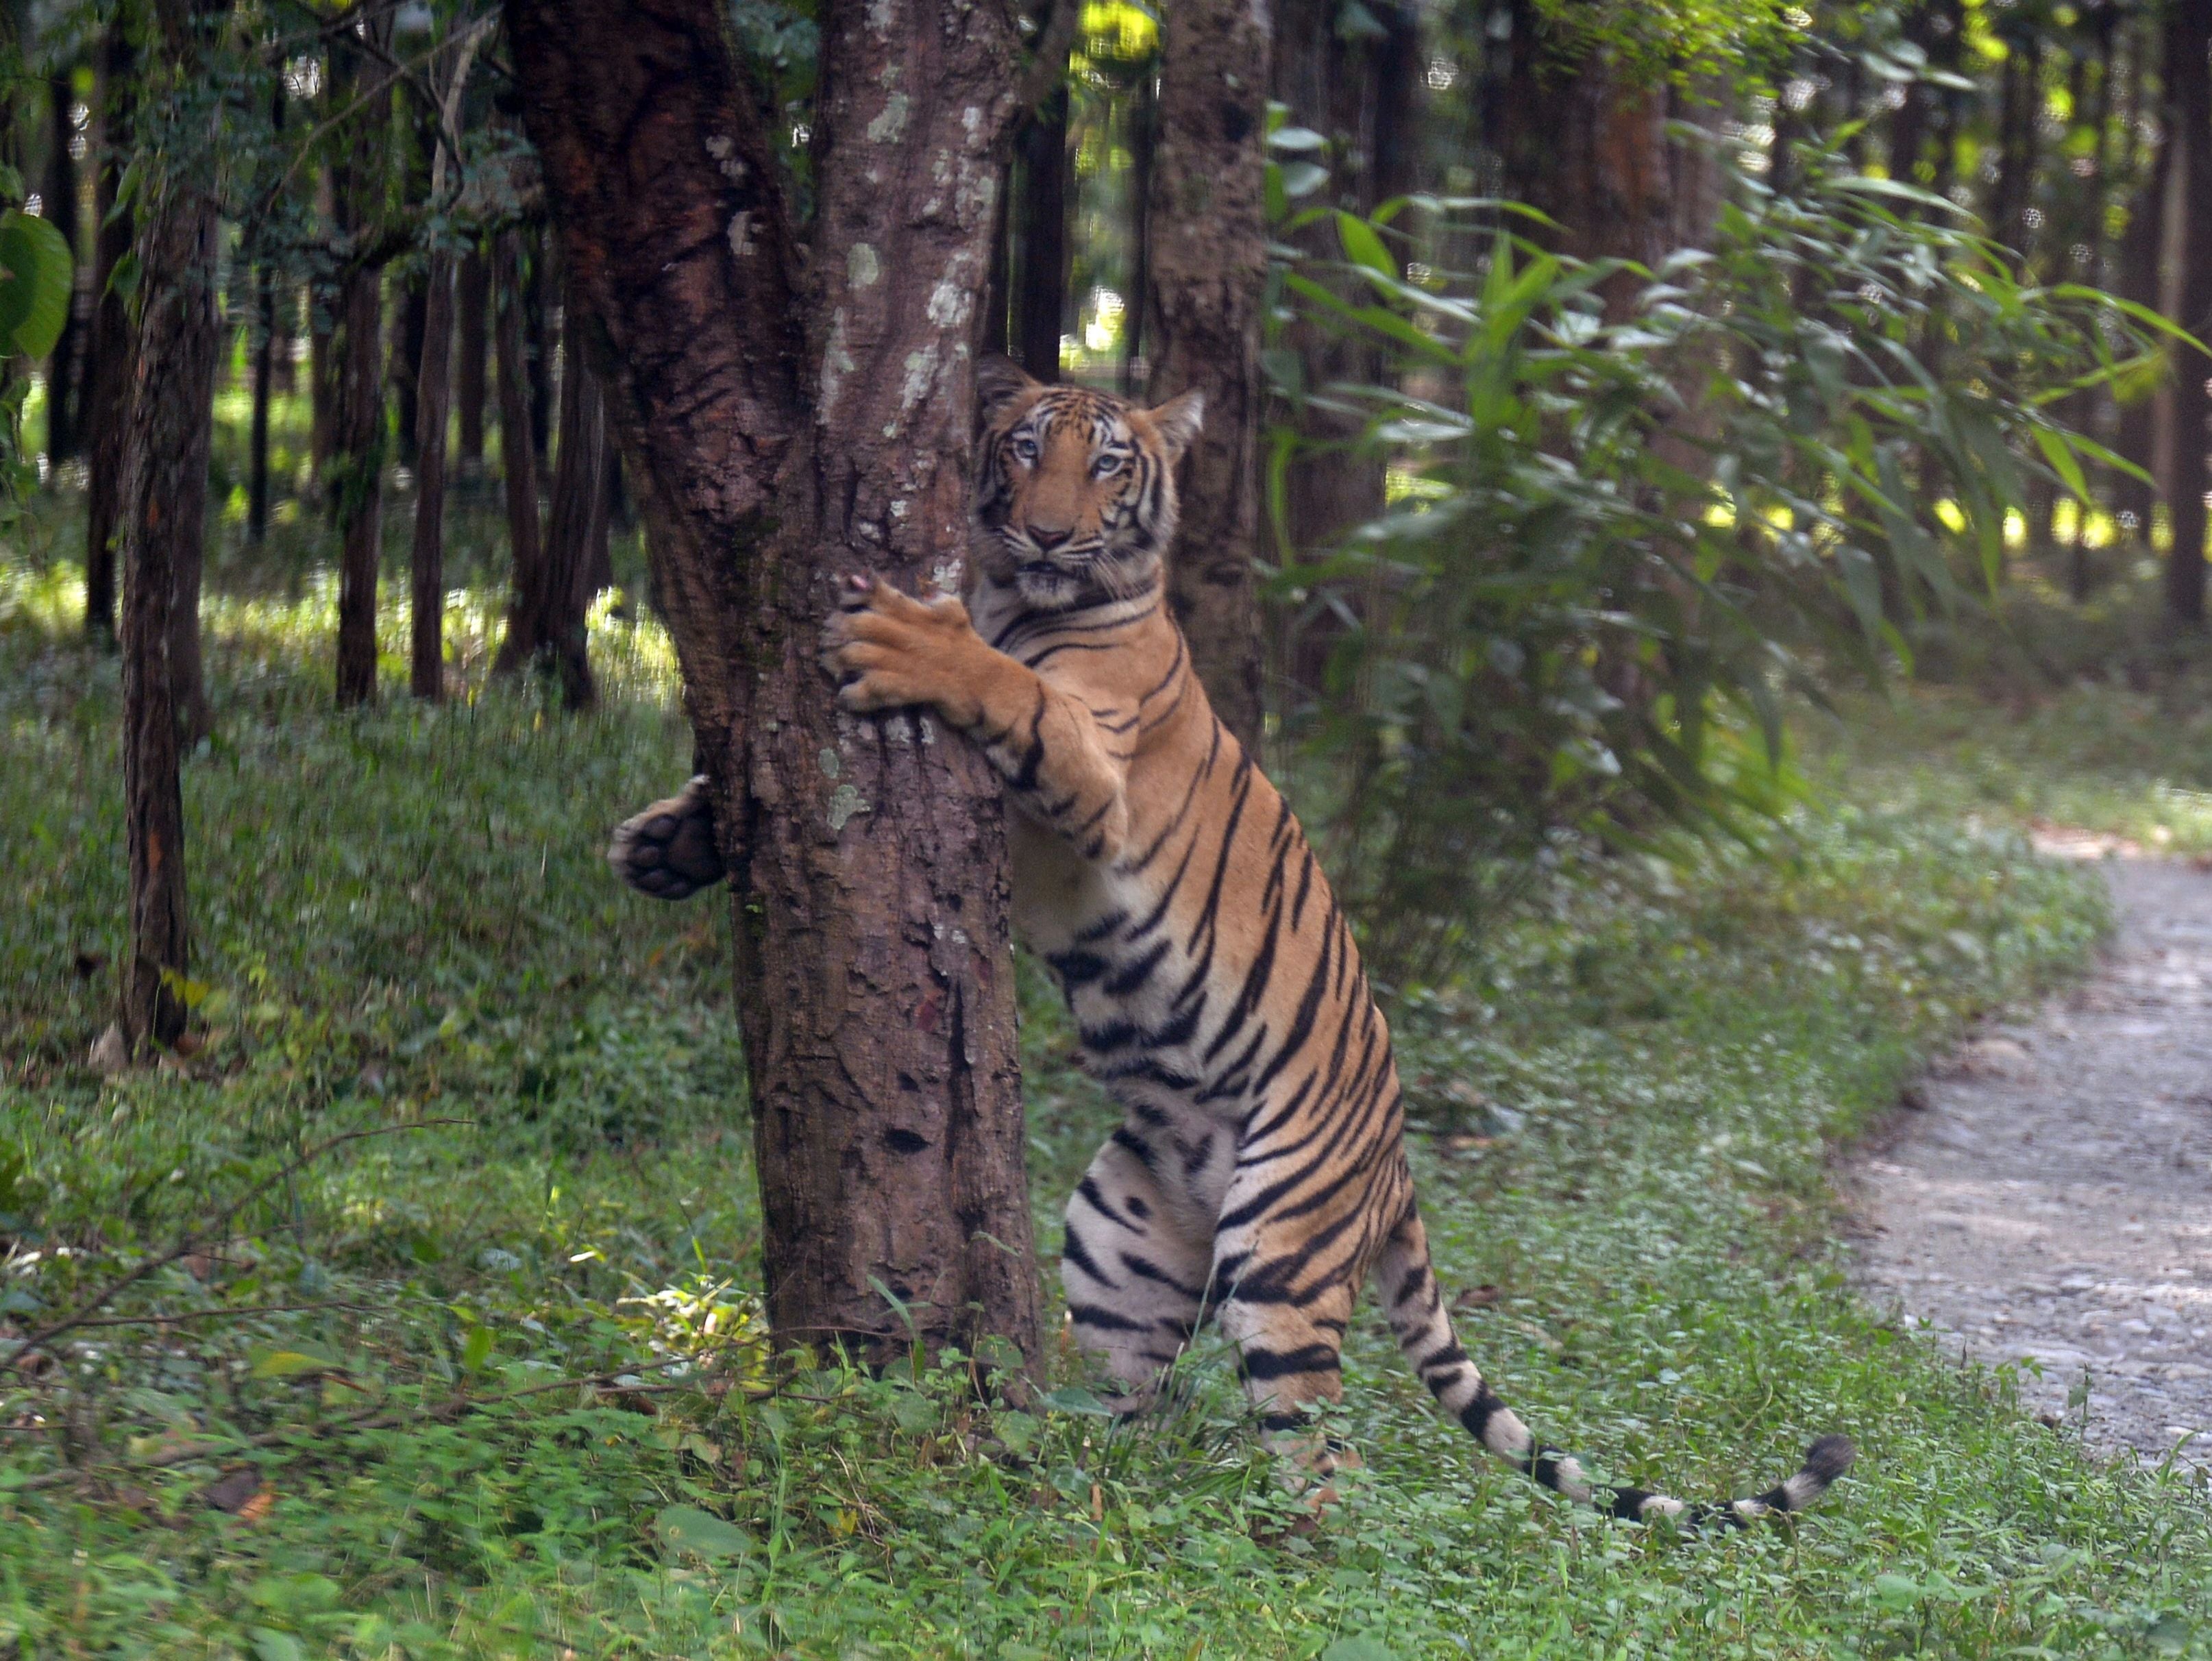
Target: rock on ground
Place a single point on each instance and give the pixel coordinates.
(2051, 1199)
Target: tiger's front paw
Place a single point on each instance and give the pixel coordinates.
(669, 850)
(889, 649)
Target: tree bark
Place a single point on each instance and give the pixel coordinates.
(1208, 268)
(163, 502)
(2188, 104)
(433, 379)
(108, 376)
(777, 444)
(63, 391)
(517, 461)
(471, 372)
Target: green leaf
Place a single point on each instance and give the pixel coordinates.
(303, 1362)
(37, 277)
(686, 1528)
(1363, 247)
(1073, 1398)
(271, 1644)
(2062, 462)
(1358, 1649)
(476, 1349)
(1296, 138)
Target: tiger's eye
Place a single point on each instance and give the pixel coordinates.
(1025, 449)
(1106, 466)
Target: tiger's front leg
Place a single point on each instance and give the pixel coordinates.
(896, 651)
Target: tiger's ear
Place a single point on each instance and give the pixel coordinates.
(999, 382)
(1177, 422)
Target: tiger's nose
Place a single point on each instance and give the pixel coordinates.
(1046, 540)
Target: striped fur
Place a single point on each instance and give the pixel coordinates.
(1259, 1177)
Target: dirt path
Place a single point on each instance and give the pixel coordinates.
(2054, 1199)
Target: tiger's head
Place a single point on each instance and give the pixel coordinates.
(1075, 497)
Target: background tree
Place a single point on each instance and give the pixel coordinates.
(1206, 244)
(162, 519)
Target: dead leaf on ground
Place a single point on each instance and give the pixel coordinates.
(110, 1054)
(235, 1490)
(1481, 1297)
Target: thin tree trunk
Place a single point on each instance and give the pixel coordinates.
(407, 337)
(776, 449)
(163, 513)
(472, 285)
(538, 298)
(265, 371)
(580, 476)
(2018, 148)
(2143, 249)
(1041, 212)
(433, 379)
(1208, 266)
(264, 374)
(356, 479)
(517, 461)
(108, 377)
(2189, 100)
(599, 551)
(63, 390)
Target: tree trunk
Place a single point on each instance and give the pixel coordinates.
(433, 379)
(1208, 267)
(537, 297)
(264, 372)
(356, 478)
(1040, 212)
(579, 504)
(108, 377)
(2019, 131)
(777, 444)
(1357, 93)
(163, 501)
(471, 292)
(518, 456)
(2188, 104)
(407, 337)
(2142, 248)
(64, 392)
(322, 378)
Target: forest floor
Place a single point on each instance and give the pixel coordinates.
(2045, 1198)
(445, 1336)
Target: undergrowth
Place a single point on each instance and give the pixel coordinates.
(489, 1380)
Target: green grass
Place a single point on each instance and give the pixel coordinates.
(405, 930)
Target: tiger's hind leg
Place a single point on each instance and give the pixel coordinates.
(1135, 1281)
(669, 850)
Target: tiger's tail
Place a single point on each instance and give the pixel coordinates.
(1406, 1278)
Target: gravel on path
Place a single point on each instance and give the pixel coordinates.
(2051, 1199)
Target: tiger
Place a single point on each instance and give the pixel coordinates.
(1259, 1179)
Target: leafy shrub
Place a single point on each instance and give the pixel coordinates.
(1631, 509)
